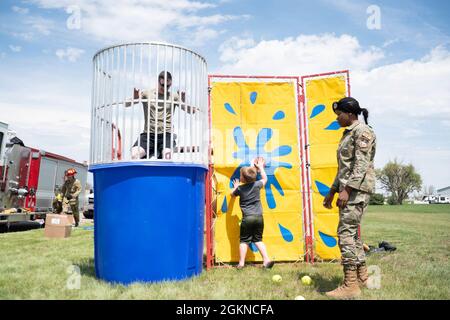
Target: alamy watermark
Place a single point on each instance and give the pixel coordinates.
(374, 280)
(74, 20)
(74, 280)
(374, 19)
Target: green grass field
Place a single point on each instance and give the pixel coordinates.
(32, 267)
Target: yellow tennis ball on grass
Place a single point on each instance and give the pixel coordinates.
(306, 280)
(299, 298)
(277, 278)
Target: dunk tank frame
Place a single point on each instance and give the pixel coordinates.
(308, 91)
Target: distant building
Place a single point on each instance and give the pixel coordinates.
(444, 191)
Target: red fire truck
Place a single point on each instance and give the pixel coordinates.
(29, 178)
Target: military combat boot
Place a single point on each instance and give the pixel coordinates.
(350, 288)
(363, 275)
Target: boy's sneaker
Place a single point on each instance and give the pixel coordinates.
(269, 265)
(238, 267)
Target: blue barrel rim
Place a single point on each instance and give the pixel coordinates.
(99, 166)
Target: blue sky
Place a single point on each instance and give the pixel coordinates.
(400, 72)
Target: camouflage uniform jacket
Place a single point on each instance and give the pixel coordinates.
(355, 157)
(72, 188)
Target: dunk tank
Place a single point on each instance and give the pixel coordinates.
(149, 158)
(288, 121)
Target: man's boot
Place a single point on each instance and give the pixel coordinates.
(350, 288)
(363, 275)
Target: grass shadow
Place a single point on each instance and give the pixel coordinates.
(20, 226)
(321, 284)
(87, 267)
(232, 229)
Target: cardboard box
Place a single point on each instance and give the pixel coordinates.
(58, 231)
(71, 219)
(58, 226)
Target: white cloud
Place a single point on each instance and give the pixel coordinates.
(408, 101)
(15, 48)
(417, 88)
(412, 133)
(390, 42)
(395, 20)
(27, 36)
(411, 88)
(71, 54)
(39, 24)
(51, 114)
(144, 20)
(305, 54)
(20, 10)
(202, 35)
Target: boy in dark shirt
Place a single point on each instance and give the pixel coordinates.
(252, 225)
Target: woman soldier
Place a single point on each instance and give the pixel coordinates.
(355, 181)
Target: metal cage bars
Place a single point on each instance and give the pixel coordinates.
(138, 116)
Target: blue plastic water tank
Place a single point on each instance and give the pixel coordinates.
(148, 221)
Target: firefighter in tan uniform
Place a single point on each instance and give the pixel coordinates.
(355, 181)
(70, 191)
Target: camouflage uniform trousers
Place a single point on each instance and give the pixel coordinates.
(73, 205)
(350, 217)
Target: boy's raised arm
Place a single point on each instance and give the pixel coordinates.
(235, 185)
(260, 163)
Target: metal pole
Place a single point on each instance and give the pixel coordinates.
(172, 108)
(124, 99)
(141, 85)
(118, 102)
(133, 68)
(155, 146)
(180, 103)
(185, 106)
(164, 104)
(102, 141)
(149, 93)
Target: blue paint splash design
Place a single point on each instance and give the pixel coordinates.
(246, 154)
(279, 115)
(323, 188)
(317, 110)
(253, 97)
(328, 240)
(229, 108)
(286, 233)
(253, 247)
(333, 126)
(224, 207)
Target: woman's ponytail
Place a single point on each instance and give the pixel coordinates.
(365, 113)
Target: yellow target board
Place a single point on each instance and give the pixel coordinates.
(324, 134)
(261, 119)
(249, 120)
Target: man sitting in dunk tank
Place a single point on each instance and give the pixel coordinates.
(160, 133)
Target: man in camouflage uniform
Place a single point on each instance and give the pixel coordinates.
(70, 191)
(355, 181)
